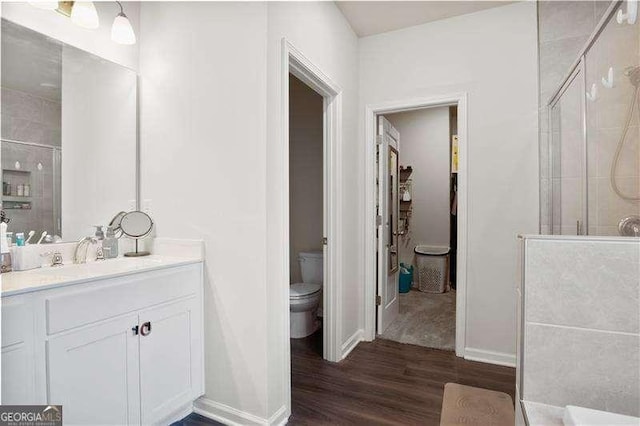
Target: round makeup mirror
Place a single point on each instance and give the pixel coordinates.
(136, 225)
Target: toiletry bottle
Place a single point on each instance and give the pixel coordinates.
(27, 190)
(20, 239)
(110, 244)
(5, 253)
(20, 190)
(99, 233)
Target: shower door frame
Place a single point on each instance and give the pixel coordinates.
(579, 72)
(578, 66)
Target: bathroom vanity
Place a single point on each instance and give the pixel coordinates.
(113, 342)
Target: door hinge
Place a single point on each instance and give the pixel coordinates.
(324, 241)
(378, 300)
(378, 220)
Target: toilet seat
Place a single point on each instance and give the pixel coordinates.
(301, 290)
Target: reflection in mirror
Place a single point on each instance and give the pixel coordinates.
(393, 209)
(68, 135)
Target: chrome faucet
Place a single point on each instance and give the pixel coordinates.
(84, 242)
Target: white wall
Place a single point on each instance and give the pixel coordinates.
(491, 55)
(305, 173)
(60, 27)
(424, 145)
(98, 142)
(203, 135)
(321, 33)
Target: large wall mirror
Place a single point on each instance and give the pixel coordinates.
(68, 136)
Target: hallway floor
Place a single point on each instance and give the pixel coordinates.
(425, 319)
(381, 382)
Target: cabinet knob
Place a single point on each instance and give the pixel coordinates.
(135, 330)
(145, 330)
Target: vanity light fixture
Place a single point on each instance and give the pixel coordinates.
(121, 30)
(85, 15)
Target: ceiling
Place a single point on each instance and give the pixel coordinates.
(375, 17)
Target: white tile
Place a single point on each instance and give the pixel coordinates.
(594, 369)
(589, 284)
(563, 19)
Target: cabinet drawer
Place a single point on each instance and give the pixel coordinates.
(116, 296)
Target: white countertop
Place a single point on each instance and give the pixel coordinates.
(51, 277)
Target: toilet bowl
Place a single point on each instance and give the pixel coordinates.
(305, 297)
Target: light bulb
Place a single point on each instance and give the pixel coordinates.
(84, 15)
(122, 31)
(46, 5)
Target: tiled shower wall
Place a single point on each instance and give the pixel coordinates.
(581, 319)
(616, 47)
(563, 29)
(29, 118)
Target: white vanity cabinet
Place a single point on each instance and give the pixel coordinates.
(123, 350)
(18, 361)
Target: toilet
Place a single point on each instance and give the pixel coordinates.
(304, 297)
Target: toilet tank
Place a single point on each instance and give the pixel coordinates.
(311, 266)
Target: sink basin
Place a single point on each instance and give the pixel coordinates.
(84, 270)
(580, 416)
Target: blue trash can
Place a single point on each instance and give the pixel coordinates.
(406, 278)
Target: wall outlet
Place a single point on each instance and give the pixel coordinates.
(146, 206)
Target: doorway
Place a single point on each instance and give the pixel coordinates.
(388, 240)
(306, 216)
(423, 193)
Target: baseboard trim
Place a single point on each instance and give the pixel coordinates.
(226, 414)
(280, 417)
(490, 357)
(178, 414)
(352, 342)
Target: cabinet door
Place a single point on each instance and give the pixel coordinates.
(93, 373)
(18, 359)
(170, 358)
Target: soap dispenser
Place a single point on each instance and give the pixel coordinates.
(110, 244)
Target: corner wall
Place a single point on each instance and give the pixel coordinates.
(322, 34)
(491, 55)
(203, 141)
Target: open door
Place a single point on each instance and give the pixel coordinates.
(387, 223)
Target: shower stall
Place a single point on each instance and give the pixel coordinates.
(590, 163)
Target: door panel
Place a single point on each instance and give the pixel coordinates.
(388, 210)
(93, 373)
(169, 357)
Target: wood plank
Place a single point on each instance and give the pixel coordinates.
(381, 382)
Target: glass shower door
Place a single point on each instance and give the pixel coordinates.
(612, 64)
(567, 156)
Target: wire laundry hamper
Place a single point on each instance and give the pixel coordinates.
(432, 268)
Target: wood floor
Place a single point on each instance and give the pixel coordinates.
(382, 382)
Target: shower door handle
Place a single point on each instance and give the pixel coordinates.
(578, 228)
